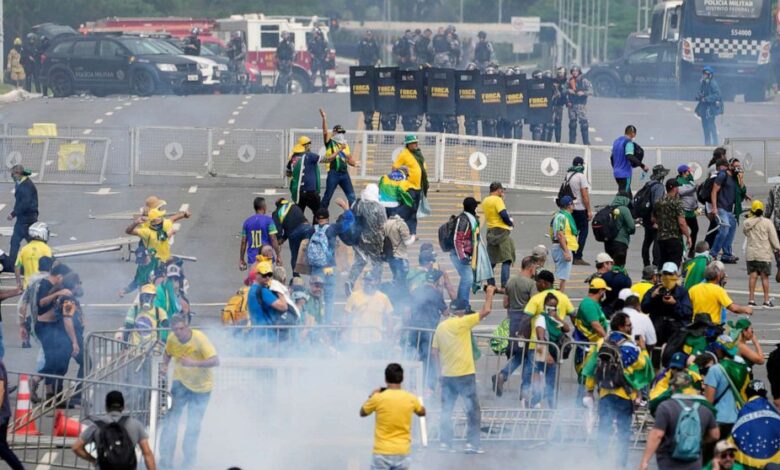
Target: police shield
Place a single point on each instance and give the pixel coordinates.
(539, 92)
(467, 84)
(516, 104)
(362, 88)
(411, 95)
(386, 92)
(491, 96)
(440, 91)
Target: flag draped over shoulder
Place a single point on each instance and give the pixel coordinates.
(637, 367)
(297, 167)
(394, 189)
(756, 434)
(739, 375)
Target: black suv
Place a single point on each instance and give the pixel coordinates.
(102, 64)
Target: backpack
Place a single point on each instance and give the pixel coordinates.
(236, 310)
(704, 190)
(319, 251)
(115, 450)
(387, 249)
(604, 224)
(499, 343)
(687, 433)
(447, 234)
(643, 201)
(565, 189)
(609, 367)
(351, 236)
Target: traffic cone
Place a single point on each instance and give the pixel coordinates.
(66, 427)
(23, 409)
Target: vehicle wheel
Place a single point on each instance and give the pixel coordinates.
(755, 94)
(61, 84)
(604, 85)
(299, 83)
(142, 83)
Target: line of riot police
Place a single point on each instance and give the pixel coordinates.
(499, 103)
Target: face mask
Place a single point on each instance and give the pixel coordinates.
(156, 226)
(669, 281)
(146, 306)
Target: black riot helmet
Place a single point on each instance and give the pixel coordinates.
(536, 74)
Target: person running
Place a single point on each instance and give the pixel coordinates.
(762, 246)
(258, 230)
(501, 247)
(412, 158)
(393, 428)
(338, 157)
(291, 225)
(624, 159)
(193, 379)
(580, 188)
(303, 169)
(452, 345)
(155, 231)
(25, 209)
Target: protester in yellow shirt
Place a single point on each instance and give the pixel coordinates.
(369, 312)
(711, 298)
(157, 234)
(193, 379)
(649, 278)
(393, 428)
(412, 158)
(452, 345)
(501, 247)
(31, 253)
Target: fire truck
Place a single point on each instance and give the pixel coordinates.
(263, 34)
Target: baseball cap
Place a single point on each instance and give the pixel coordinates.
(683, 168)
(723, 446)
(460, 305)
(669, 268)
(604, 258)
(470, 204)
(725, 343)
(648, 272)
(565, 201)
(316, 280)
(598, 283)
(545, 275)
(265, 267)
(322, 213)
(115, 400)
(679, 360)
(539, 251)
(495, 186)
(303, 140)
(681, 380)
(578, 161)
(173, 271)
(708, 69)
(756, 206)
(298, 149)
(338, 129)
(625, 293)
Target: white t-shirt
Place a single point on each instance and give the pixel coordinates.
(641, 325)
(576, 183)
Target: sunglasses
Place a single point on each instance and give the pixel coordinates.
(268, 275)
(729, 454)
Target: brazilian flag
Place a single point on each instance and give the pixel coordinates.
(756, 434)
(394, 189)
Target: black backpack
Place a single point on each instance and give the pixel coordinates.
(704, 190)
(447, 234)
(115, 450)
(609, 367)
(565, 189)
(351, 236)
(604, 224)
(643, 201)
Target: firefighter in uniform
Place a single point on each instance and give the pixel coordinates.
(578, 88)
(559, 102)
(490, 124)
(537, 130)
(483, 51)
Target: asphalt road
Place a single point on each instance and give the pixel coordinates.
(219, 206)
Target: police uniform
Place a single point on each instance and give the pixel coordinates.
(577, 104)
(483, 52)
(560, 100)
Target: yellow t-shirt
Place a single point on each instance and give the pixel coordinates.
(561, 222)
(535, 305)
(149, 237)
(197, 379)
(641, 288)
(709, 298)
(453, 340)
(405, 158)
(28, 258)
(393, 429)
(492, 207)
(369, 314)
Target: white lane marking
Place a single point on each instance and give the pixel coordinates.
(245, 102)
(687, 108)
(109, 113)
(193, 189)
(199, 177)
(231, 121)
(592, 129)
(236, 113)
(184, 207)
(226, 132)
(117, 108)
(215, 152)
(240, 107)
(598, 139)
(135, 98)
(102, 192)
(87, 131)
(221, 143)
(98, 121)
(127, 103)
(2, 206)
(679, 103)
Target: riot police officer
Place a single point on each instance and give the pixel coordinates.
(578, 88)
(192, 43)
(441, 50)
(537, 130)
(452, 38)
(31, 61)
(236, 53)
(560, 98)
(490, 124)
(471, 123)
(504, 125)
(318, 48)
(403, 50)
(368, 50)
(423, 48)
(549, 127)
(483, 51)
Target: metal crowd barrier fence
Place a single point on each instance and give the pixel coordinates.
(760, 158)
(56, 159)
(42, 433)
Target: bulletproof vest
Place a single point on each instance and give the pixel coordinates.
(482, 52)
(440, 44)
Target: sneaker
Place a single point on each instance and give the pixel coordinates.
(726, 260)
(769, 304)
(752, 303)
(580, 262)
(470, 449)
(498, 384)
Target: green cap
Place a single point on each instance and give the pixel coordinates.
(410, 139)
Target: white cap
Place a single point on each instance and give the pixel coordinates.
(669, 267)
(604, 258)
(625, 293)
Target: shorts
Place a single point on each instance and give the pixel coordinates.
(390, 462)
(562, 267)
(760, 267)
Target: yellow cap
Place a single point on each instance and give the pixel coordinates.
(598, 283)
(265, 267)
(304, 140)
(756, 206)
(156, 214)
(149, 289)
(299, 149)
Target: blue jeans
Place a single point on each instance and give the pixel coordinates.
(451, 388)
(613, 408)
(710, 130)
(2, 343)
(506, 268)
(295, 238)
(726, 232)
(547, 391)
(581, 221)
(400, 268)
(466, 276)
(525, 358)
(196, 404)
(390, 462)
(328, 292)
(338, 179)
(21, 232)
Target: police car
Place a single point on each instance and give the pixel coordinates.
(647, 71)
(102, 64)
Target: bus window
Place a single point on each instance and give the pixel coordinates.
(643, 56)
(269, 36)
